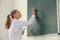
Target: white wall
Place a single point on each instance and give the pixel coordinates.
(5, 8)
(59, 15)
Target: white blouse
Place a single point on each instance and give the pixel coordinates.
(15, 30)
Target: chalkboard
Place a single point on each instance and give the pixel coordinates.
(46, 17)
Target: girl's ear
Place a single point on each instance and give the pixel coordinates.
(20, 15)
(14, 15)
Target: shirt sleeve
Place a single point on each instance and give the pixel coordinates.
(29, 22)
(24, 23)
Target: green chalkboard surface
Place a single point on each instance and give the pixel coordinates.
(46, 18)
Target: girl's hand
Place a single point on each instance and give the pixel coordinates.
(33, 11)
(22, 32)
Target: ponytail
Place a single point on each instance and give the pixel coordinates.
(8, 22)
(9, 17)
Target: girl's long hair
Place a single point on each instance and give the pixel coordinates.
(8, 21)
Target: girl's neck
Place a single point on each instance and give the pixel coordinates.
(16, 18)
